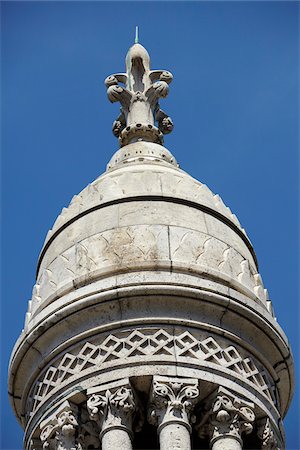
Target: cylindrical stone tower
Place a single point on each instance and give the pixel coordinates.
(149, 325)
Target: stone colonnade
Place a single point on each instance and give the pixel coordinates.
(113, 413)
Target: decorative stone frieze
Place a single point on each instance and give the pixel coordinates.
(226, 419)
(171, 404)
(58, 432)
(113, 407)
(148, 343)
(267, 435)
(144, 244)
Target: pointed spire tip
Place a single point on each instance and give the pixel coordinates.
(136, 40)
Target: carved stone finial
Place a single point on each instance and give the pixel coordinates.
(172, 400)
(139, 97)
(266, 434)
(227, 415)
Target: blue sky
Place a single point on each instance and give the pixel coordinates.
(234, 103)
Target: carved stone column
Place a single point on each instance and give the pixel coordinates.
(171, 404)
(58, 430)
(267, 435)
(113, 406)
(225, 421)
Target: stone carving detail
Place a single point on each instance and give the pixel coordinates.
(113, 406)
(88, 435)
(58, 431)
(226, 210)
(267, 435)
(134, 244)
(110, 186)
(147, 343)
(126, 244)
(139, 99)
(35, 444)
(172, 399)
(228, 416)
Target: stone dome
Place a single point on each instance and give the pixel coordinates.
(145, 212)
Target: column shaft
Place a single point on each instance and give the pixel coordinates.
(115, 439)
(174, 436)
(226, 443)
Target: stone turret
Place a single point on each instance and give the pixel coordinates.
(149, 324)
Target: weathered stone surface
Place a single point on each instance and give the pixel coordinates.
(148, 297)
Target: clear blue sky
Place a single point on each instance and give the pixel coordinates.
(234, 102)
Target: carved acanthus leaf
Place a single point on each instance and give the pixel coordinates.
(226, 415)
(113, 407)
(58, 430)
(172, 399)
(266, 433)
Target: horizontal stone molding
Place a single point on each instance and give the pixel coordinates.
(142, 177)
(31, 355)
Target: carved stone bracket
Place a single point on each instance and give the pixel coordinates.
(139, 97)
(58, 430)
(267, 435)
(112, 406)
(226, 416)
(172, 400)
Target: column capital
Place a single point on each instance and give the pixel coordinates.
(172, 400)
(35, 444)
(58, 430)
(112, 406)
(88, 434)
(266, 434)
(227, 415)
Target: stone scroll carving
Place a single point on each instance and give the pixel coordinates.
(267, 435)
(227, 415)
(35, 444)
(88, 436)
(139, 97)
(114, 406)
(68, 428)
(172, 400)
(58, 431)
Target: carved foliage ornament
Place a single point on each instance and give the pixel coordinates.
(267, 435)
(59, 430)
(113, 408)
(228, 416)
(139, 99)
(173, 399)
